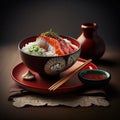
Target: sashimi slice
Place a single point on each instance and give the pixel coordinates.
(54, 43)
(64, 47)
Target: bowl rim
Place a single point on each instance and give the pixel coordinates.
(19, 43)
(107, 74)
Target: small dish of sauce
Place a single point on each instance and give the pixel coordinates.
(94, 77)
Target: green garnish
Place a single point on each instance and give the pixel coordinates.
(55, 35)
(30, 50)
(34, 48)
(50, 32)
(47, 32)
(40, 52)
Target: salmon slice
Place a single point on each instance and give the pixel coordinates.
(54, 43)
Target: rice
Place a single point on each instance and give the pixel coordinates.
(33, 48)
(45, 47)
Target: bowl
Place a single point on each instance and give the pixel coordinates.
(94, 78)
(49, 65)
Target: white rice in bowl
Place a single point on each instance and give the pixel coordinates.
(42, 47)
(33, 48)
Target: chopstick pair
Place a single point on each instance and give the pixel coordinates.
(66, 78)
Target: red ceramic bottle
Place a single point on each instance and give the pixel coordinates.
(92, 45)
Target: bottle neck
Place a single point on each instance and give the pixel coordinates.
(89, 29)
(89, 32)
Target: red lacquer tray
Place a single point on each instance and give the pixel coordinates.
(41, 85)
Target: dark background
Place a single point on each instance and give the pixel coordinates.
(25, 18)
(21, 19)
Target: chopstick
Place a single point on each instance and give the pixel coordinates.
(66, 78)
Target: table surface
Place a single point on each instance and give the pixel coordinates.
(9, 55)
